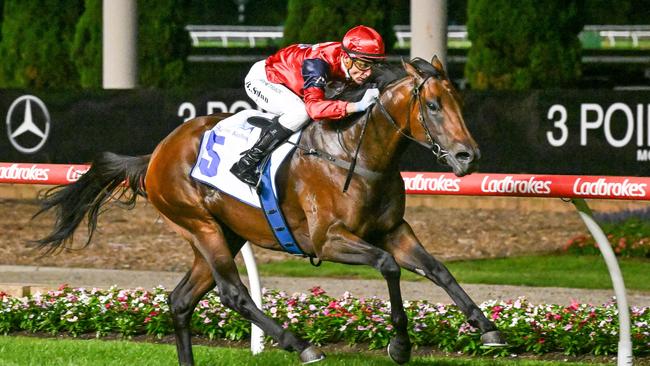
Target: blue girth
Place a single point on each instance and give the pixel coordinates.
(273, 214)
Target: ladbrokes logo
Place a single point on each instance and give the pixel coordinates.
(510, 185)
(15, 172)
(73, 174)
(439, 184)
(603, 188)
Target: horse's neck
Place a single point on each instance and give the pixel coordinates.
(380, 147)
(384, 144)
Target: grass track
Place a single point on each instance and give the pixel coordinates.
(21, 351)
(589, 272)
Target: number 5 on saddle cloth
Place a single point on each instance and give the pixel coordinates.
(221, 147)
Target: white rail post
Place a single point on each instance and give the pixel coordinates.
(257, 335)
(119, 44)
(429, 29)
(625, 338)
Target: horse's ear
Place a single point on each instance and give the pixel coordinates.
(437, 64)
(412, 71)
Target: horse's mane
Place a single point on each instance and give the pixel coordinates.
(384, 74)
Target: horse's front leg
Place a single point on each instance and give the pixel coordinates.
(411, 255)
(342, 246)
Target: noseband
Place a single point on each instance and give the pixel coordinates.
(437, 150)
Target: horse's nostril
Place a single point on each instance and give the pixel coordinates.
(464, 156)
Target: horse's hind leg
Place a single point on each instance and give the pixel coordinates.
(409, 253)
(233, 294)
(182, 301)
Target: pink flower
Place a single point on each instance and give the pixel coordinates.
(496, 312)
(317, 291)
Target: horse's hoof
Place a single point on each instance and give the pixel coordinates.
(311, 354)
(399, 352)
(493, 338)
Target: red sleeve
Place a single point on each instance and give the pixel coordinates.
(320, 108)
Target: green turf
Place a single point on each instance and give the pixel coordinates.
(589, 272)
(19, 351)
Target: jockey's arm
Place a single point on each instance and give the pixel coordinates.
(315, 73)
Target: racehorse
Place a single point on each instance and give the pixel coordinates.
(361, 223)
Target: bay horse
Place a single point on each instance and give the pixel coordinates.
(362, 224)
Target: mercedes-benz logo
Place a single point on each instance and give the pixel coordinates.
(28, 124)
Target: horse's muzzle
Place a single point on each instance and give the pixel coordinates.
(463, 160)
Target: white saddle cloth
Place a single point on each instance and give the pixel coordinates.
(221, 147)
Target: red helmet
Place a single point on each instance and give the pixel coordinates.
(364, 42)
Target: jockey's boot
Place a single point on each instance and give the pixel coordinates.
(246, 169)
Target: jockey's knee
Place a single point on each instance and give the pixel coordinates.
(294, 120)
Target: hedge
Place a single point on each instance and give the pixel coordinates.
(316, 21)
(36, 40)
(523, 45)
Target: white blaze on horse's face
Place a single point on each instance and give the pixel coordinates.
(438, 121)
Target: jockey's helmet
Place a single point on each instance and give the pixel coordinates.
(363, 42)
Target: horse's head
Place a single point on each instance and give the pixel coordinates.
(433, 115)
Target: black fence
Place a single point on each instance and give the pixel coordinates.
(593, 132)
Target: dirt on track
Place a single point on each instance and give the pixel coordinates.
(139, 239)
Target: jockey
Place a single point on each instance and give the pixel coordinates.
(291, 84)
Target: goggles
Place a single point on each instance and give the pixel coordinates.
(362, 64)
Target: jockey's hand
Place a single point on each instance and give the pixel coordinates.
(369, 98)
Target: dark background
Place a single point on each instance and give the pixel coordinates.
(510, 128)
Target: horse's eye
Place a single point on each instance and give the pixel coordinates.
(434, 105)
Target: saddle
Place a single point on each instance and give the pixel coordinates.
(221, 147)
(262, 122)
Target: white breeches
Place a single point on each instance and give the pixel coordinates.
(275, 98)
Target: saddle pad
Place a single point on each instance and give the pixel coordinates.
(221, 147)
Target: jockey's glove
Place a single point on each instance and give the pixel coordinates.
(369, 98)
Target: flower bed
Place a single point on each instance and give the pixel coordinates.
(574, 330)
(629, 238)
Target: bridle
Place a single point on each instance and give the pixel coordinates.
(416, 96)
(437, 150)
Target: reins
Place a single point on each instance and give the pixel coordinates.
(356, 153)
(344, 164)
(351, 167)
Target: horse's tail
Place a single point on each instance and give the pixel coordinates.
(110, 177)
